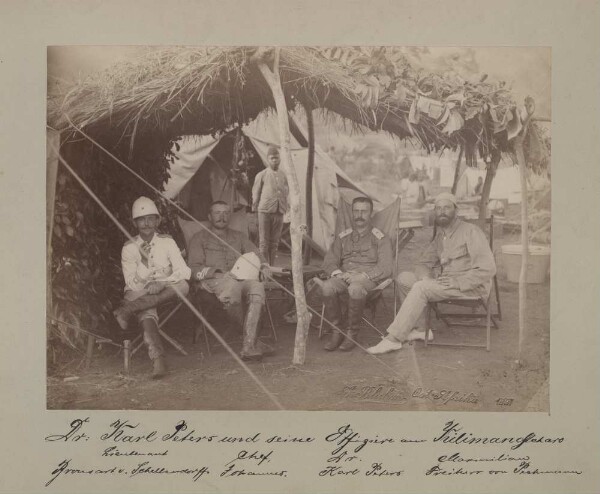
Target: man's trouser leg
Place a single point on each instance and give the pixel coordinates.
(143, 300)
(332, 289)
(275, 235)
(264, 232)
(231, 293)
(228, 291)
(357, 293)
(414, 304)
(254, 293)
(404, 282)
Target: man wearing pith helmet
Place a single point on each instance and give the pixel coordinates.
(154, 273)
(457, 263)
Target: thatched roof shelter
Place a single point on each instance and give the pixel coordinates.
(180, 90)
(138, 109)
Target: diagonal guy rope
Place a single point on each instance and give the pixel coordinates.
(182, 297)
(210, 232)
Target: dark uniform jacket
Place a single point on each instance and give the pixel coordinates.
(369, 252)
(209, 255)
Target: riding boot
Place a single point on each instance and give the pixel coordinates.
(332, 314)
(272, 255)
(249, 350)
(156, 351)
(335, 338)
(355, 312)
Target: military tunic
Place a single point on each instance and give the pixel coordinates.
(460, 252)
(209, 256)
(369, 252)
(163, 263)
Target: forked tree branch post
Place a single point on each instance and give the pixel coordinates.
(490, 173)
(518, 143)
(296, 228)
(310, 168)
(457, 169)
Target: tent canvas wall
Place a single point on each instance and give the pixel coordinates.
(506, 184)
(201, 174)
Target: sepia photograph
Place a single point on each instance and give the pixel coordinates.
(335, 228)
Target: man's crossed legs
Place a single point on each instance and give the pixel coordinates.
(409, 323)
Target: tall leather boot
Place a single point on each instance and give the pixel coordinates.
(355, 312)
(332, 314)
(156, 351)
(272, 255)
(249, 350)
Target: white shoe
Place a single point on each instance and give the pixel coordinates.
(384, 346)
(419, 334)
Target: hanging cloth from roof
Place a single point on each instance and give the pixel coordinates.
(192, 153)
(430, 107)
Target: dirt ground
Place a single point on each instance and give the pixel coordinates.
(414, 378)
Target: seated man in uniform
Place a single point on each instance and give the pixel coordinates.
(359, 259)
(213, 254)
(154, 273)
(458, 263)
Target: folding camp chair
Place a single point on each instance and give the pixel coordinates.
(387, 220)
(474, 303)
(169, 309)
(374, 297)
(206, 300)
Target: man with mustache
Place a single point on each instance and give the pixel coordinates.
(457, 263)
(154, 273)
(359, 259)
(213, 254)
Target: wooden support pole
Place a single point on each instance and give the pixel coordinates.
(518, 143)
(296, 228)
(490, 173)
(457, 169)
(310, 167)
(126, 347)
(524, 242)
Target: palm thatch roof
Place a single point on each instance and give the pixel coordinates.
(207, 90)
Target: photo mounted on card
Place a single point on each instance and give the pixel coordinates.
(342, 228)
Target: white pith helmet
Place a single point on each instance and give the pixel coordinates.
(143, 207)
(247, 267)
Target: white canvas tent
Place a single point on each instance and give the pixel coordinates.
(198, 178)
(506, 184)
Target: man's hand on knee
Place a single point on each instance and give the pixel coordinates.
(357, 278)
(448, 282)
(155, 287)
(423, 273)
